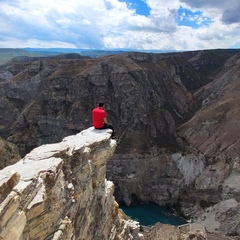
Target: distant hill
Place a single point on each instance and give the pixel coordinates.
(6, 54)
(94, 53)
(83, 52)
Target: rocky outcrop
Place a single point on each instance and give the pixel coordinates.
(59, 191)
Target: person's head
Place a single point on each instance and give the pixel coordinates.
(101, 104)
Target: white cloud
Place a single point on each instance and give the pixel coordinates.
(32, 43)
(111, 24)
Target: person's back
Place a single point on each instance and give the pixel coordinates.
(99, 119)
(98, 114)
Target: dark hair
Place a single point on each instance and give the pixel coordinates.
(101, 104)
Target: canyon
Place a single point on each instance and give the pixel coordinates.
(176, 117)
(60, 191)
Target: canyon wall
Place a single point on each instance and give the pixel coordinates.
(42, 101)
(176, 117)
(59, 191)
(203, 179)
(148, 178)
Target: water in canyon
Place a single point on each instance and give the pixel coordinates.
(149, 214)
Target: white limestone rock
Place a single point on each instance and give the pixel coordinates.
(190, 166)
(59, 191)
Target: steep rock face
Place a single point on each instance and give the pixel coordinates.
(148, 178)
(214, 130)
(59, 191)
(43, 101)
(216, 123)
(207, 173)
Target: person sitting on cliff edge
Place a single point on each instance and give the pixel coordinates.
(99, 119)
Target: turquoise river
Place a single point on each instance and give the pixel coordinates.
(149, 214)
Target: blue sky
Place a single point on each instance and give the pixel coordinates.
(120, 24)
(192, 19)
(139, 6)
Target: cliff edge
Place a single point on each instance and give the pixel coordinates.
(59, 191)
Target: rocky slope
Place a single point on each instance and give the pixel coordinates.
(214, 130)
(176, 116)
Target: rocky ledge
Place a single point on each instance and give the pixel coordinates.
(59, 191)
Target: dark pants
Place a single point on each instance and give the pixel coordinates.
(106, 126)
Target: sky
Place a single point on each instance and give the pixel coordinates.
(120, 24)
